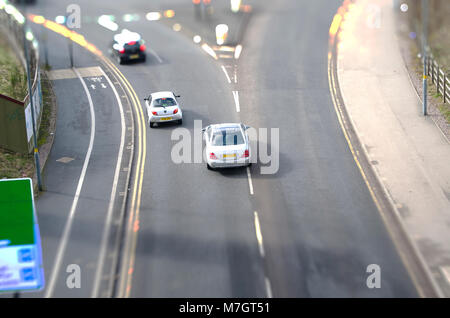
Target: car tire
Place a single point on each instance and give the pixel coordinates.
(119, 60)
(209, 167)
(152, 125)
(180, 121)
(144, 58)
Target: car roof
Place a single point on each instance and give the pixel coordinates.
(127, 36)
(226, 125)
(164, 94)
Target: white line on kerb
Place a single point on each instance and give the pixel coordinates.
(226, 74)
(68, 225)
(259, 235)
(268, 288)
(107, 226)
(250, 183)
(236, 101)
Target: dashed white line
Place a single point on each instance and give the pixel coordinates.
(268, 288)
(250, 183)
(237, 51)
(68, 225)
(156, 55)
(259, 235)
(236, 101)
(226, 74)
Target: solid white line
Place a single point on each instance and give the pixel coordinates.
(107, 226)
(250, 183)
(236, 100)
(156, 55)
(268, 288)
(226, 74)
(68, 225)
(259, 235)
(235, 74)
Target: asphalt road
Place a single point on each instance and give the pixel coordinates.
(197, 236)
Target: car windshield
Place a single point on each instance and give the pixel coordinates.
(164, 102)
(227, 137)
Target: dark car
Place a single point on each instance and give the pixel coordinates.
(128, 46)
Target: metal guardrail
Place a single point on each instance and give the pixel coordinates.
(438, 78)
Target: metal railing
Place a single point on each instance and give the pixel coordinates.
(438, 78)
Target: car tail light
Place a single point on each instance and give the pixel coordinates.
(212, 156)
(154, 113)
(175, 111)
(142, 47)
(122, 51)
(246, 153)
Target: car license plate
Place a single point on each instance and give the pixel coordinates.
(134, 56)
(231, 155)
(166, 118)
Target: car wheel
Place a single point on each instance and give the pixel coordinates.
(152, 125)
(119, 60)
(180, 121)
(143, 58)
(209, 167)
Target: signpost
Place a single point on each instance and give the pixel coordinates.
(20, 247)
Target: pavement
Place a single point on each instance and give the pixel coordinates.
(407, 151)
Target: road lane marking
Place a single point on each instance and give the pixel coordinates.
(226, 74)
(209, 50)
(236, 101)
(107, 226)
(68, 225)
(237, 51)
(153, 52)
(259, 236)
(268, 288)
(130, 245)
(250, 183)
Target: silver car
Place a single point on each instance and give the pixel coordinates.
(227, 145)
(163, 107)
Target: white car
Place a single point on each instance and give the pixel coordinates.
(163, 107)
(227, 145)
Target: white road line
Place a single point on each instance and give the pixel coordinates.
(237, 51)
(153, 52)
(235, 74)
(250, 183)
(226, 74)
(209, 50)
(259, 235)
(107, 226)
(68, 225)
(268, 288)
(236, 100)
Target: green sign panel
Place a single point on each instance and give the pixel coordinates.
(20, 248)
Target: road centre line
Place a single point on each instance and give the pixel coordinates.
(107, 226)
(153, 52)
(259, 235)
(236, 101)
(68, 225)
(226, 74)
(250, 183)
(268, 288)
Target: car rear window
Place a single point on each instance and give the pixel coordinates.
(164, 102)
(227, 137)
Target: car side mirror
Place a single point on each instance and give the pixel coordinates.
(247, 127)
(177, 96)
(203, 129)
(146, 98)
